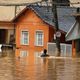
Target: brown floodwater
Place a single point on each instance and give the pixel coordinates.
(37, 68)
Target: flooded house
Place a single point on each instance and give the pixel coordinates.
(34, 27)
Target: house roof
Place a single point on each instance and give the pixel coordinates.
(74, 32)
(65, 20)
(6, 13)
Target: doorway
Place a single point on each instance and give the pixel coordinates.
(3, 35)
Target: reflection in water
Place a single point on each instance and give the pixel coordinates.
(28, 67)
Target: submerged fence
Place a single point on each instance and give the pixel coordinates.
(66, 49)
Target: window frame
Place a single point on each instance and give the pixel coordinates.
(22, 37)
(36, 42)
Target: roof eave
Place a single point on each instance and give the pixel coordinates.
(70, 29)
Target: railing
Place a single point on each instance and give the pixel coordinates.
(66, 49)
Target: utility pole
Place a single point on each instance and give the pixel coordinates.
(15, 8)
(15, 16)
(55, 20)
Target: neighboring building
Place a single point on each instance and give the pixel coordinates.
(35, 26)
(74, 35)
(6, 32)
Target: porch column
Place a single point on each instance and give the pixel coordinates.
(73, 49)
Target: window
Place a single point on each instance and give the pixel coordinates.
(39, 38)
(24, 38)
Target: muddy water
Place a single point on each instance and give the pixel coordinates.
(37, 68)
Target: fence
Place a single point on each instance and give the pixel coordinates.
(66, 49)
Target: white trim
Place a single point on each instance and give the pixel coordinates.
(21, 37)
(71, 28)
(42, 38)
